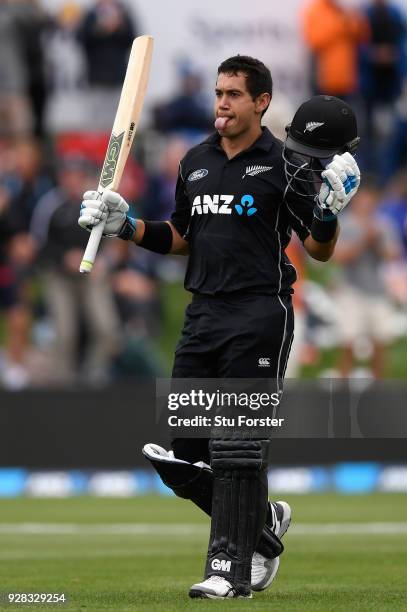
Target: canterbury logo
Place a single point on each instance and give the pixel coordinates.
(312, 125)
(221, 564)
(264, 362)
(253, 170)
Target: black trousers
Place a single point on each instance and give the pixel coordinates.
(242, 336)
(246, 336)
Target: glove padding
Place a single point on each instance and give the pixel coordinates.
(109, 206)
(341, 182)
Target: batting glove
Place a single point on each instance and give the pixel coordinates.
(341, 182)
(109, 207)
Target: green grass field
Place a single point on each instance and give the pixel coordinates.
(144, 553)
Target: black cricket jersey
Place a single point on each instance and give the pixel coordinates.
(237, 216)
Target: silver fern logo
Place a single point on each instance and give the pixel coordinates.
(312, 125)
(253, 170)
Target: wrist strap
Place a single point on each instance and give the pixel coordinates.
(128, 230)
(324, 230)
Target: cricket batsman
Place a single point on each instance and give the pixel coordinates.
(239, 196)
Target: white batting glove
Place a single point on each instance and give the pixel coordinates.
(110, 207)
(341, 182)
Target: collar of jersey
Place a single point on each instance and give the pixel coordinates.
(264, 142)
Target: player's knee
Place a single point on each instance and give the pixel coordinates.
(187, 480)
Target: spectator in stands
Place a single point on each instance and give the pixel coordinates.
(15, 118)
(74, 299)
(394, 207)
(26, 182)
(136, 290)
(65, 56)
(30, 23)
(159, 200)
(22, 184)
(13, 371)
(333, 34)
(67, 109)
(187, 109)
(135, 285)
(394, 158)
(106, 34)
(366, 242)
(383, 64)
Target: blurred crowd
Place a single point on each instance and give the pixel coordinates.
(58, 327)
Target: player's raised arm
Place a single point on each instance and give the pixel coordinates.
(322, 174)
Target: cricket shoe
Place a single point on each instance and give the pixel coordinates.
(264, 570)
(215, 587)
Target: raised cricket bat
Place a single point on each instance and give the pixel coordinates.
(124, 127)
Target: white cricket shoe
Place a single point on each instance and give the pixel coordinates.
(215, 587)
(264, 570)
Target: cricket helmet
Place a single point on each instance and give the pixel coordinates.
(322, 127)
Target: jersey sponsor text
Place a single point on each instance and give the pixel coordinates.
(216, 204)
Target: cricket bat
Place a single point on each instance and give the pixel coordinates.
(124, 128)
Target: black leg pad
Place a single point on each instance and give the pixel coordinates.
(195, 482)
(239, 508)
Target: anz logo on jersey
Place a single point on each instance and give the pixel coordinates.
(223, 205)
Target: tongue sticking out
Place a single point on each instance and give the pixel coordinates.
(221, 122)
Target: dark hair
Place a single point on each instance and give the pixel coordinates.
(258, 76)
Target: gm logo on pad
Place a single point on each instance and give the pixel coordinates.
(221, 564)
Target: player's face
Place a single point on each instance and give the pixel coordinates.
(235, 103)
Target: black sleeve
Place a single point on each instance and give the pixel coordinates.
(182, 214)
(300, 214)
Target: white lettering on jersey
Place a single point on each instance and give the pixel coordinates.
(215, 204)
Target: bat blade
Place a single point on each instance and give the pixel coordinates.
(123, 131)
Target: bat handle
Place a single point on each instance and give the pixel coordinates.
(92, 248)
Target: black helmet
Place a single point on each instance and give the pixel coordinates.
(322, 127)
